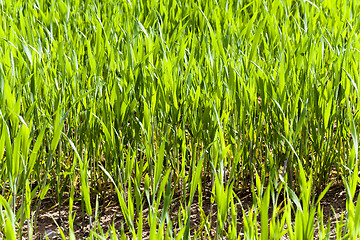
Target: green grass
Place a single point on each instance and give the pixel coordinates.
(150, 100)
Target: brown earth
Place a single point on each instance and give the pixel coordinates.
(109, 213)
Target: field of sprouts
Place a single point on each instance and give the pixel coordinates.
(160, 119)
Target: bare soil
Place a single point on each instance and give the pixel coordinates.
(51, 216)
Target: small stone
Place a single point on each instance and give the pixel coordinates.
(50, 234)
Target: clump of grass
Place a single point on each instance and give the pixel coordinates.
(154, 101)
